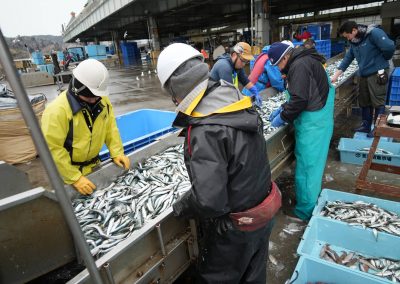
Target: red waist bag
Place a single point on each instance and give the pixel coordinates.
(258, 216)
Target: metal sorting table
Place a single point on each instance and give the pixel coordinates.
(34, 238)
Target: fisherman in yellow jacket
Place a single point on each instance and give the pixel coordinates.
(77, 124)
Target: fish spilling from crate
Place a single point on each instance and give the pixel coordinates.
(112, 214)
(366, 215)
(383, 267)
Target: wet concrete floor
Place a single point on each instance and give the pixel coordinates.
(137, 87)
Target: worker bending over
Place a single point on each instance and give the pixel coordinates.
(229, 67)
(232, 196)
(310, 109)
(77, 124)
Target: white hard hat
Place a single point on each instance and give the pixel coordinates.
(94, 75)
(172, 57)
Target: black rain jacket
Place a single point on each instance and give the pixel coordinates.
(307, 83)
(226, 158)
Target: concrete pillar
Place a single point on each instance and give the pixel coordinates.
(153, 32)
(387, 24)
(262, 24)
(96, 40)
(117, 50)
(335, 28)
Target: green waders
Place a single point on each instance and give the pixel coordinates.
(313, 132)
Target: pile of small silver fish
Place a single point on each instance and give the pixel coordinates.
(331, 69)
(268, 106)
(366, 215)
(383, 267)
(112, 214)
(378, 151)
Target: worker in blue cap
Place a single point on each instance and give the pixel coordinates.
(310, 109)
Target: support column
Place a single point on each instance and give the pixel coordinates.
(153, 33)
(262, 23)
(335, 28)
(116, 39)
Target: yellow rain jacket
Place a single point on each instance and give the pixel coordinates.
(75, 139)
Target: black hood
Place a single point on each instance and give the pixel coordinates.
(300, 52)
(245, 120)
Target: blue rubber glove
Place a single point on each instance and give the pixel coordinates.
(256, 96)
(278, 122)
(258, 100)
(275, 113)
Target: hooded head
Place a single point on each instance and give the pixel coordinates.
(181, 70)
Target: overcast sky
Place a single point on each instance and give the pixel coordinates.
(36, 17)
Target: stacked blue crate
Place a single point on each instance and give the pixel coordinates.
(37, 58)
(360, 240)
(42, 68)
(130, 53)
(76, 53)
(315, 31)
(324, 47)
(50, 69)
(96, 51)
(60, 55)
(394, 88)
(325, 31)
(337, 47)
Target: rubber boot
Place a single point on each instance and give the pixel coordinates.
(378, 110)
(366, 115)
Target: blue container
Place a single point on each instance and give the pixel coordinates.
(77, 53)
(315, 31)
(42, 68)
(129, 61)
(37, 54)
(309, 270)
(394, 88)
(60, 55)
(50, 69)
(343, 237)
(140, 128)
(333, 195)
(350, 152)
(363, 136)
(129, 49)
(325, 31)
(95, 50)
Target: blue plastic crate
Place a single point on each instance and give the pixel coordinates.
(315, 31)
(350, 152)
(333, 195)
(50, 69)
(140, 128)
(343, 237)
(309, 270)
(129, 61)
(363, 136)
(76, 53)
(60, 55)
(42, 68)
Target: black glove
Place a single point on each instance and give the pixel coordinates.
(182, 206)
(382, 77)
(223, 224)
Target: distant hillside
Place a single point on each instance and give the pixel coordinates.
(19, 46)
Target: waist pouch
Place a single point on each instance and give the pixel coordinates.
(258, 216)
